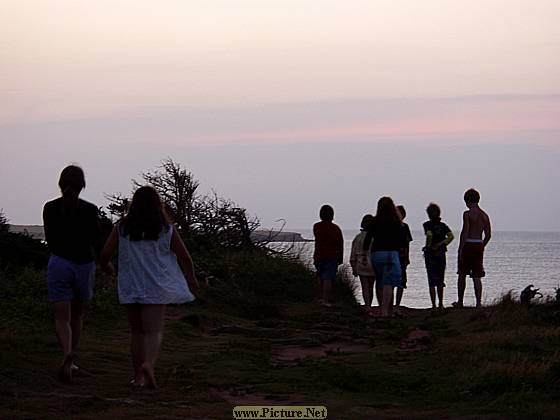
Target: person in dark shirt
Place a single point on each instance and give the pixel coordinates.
(438, 236)
(329, 250)
(389, 237)
(404, 256)
(73, 236)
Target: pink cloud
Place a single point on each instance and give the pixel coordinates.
(476, 119)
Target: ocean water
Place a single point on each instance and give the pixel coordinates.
(512, 261)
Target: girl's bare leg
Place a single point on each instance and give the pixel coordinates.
(367, 291)
(136, 342)
(152, 327)
(387, 307)
(400, 291)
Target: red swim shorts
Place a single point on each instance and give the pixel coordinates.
(472, 262)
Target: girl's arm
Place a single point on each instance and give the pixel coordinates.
(108, 251)
(353, 255)
(184, 258)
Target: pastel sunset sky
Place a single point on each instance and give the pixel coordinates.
(285, 105)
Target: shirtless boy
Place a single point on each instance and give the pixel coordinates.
(475, 235)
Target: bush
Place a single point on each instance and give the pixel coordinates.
(253, 283)
(20, 250)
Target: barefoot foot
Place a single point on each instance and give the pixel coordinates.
(150, 379)
(65, 370)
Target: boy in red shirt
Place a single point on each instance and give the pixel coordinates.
(329, 250)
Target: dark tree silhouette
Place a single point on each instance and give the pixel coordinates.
(211, 217)
(4, 225)
(177, 187)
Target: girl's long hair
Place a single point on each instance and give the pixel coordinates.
(387, 214)
(146, 217)
(387, 211)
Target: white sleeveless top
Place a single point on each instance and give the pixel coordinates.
(149, 272)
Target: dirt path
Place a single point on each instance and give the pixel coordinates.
(358, 367)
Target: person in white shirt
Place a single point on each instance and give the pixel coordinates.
(361, 265)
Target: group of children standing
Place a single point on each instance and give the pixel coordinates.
(380, 253)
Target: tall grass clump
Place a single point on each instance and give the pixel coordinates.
(23, 297)
(254, 284)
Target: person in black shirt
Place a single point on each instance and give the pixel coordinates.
(388, 237)
(438, 236)
(404, 257)
(73, 236)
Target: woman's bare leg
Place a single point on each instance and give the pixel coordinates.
(63, 328)
(77, 322)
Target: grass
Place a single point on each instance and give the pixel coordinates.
(236, 345)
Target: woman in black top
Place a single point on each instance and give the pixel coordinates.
(73, 236)
(388, 236)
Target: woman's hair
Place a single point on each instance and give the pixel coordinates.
(72, 181)
(434, 212)
(146, 217)
(386, 214)
(326, 214)
(386, 211)
(367, 222)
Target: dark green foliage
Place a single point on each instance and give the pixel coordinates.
(23, 296)
(20, 250)
(253, 283)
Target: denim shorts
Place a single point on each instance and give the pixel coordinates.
(387, 268)
(67, 280)
(326, 269)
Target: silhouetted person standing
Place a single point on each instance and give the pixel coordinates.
(360, 262)
(389, 237)
(475, 235)
(438, 237)
(329, 250)
(404, 256)
(73, 237)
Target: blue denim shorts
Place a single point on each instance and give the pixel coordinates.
(387, 267)
(67, 280)
(326, 269)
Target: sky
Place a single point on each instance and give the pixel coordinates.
(283, 106)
